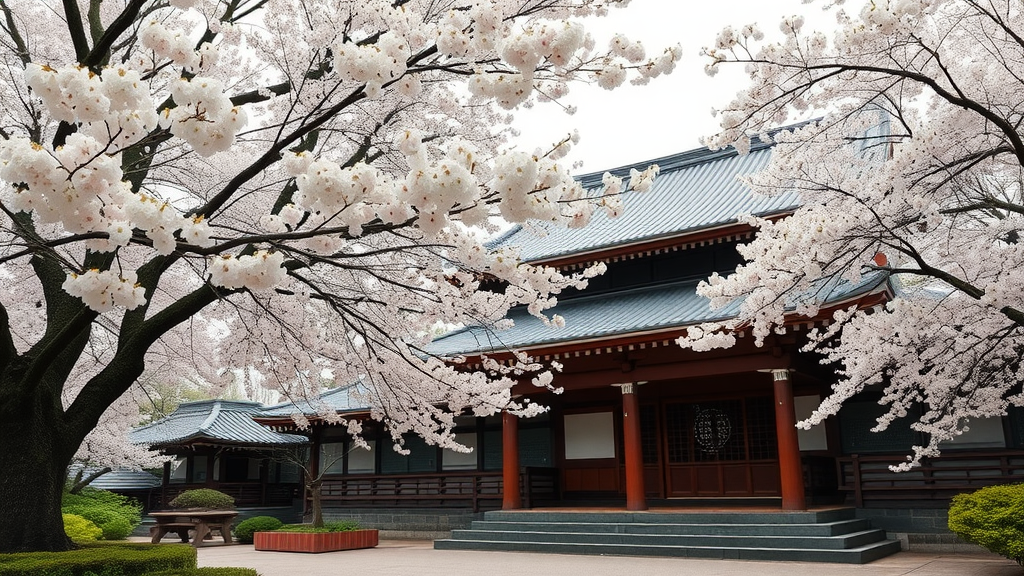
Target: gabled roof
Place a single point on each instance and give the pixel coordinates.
(696, 190)
(639, 310)
(212, 422)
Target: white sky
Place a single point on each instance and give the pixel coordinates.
(670, 114)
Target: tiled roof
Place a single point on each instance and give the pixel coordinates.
(666, 306)
(215, 421)
(696, 190)
(124, 480)
(342, 399)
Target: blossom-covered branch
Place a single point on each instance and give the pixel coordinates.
(914, 170)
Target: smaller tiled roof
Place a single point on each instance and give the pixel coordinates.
(212, 422)
(696, 190)
(343, 399)
(120, 480)
(665, 306)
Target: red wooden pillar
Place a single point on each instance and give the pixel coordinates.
(635, 497)
(511, 499)
(790, 470)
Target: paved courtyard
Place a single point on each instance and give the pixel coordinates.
(418, 558)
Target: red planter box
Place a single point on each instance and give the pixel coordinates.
(315, 542)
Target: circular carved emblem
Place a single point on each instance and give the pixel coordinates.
(712, 429)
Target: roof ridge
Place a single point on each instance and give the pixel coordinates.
(214, 413)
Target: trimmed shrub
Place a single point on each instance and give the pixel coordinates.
(992, 517)
(79, 529)
(208, 571)
(103, 559)
(341, 526)
(116, 515)
(203, 498)
(246, 528)
(116, 529)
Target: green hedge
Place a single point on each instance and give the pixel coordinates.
(246, 528)
(102, 559)
(80, 529)
(115, 515)
(342, 526)
(208, 572)
(992, 517)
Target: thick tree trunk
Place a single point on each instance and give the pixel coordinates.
(317, 505)
(33, 465)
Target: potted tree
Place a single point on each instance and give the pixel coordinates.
(317, 536)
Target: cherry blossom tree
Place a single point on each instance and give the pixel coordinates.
(291, 188)
(918, 155)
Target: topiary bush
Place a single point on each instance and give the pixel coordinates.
(116, 515)
(104, 559)
(203, 498)
(79, 529)
(246, 528)
(992, 517)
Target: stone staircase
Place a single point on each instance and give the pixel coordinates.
(832, 535)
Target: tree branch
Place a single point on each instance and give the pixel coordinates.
(100, 53)
(12, 31)
(77, 30)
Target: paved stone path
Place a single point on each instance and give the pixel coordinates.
(418, 558)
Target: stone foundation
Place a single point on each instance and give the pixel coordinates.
(919, 529)
(405, 523)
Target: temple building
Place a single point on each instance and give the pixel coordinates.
(642, 424)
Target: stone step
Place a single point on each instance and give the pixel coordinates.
(718, 517)
(858, 555)
(847, 541)
(813, 529)
(831, 535)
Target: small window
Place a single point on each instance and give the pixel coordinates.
(858, 416)
(982, 433)
(589, 436)
(331, 457)
(452, 460)
(284, 473)
(361, 460)
(199, 469)
(179, 470)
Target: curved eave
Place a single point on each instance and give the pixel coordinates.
(872, 295)
(653, 244)
(286, 422)
(190, 443)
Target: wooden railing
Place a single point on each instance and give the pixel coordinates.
(245, 493)
(476, 490)
(870, 481)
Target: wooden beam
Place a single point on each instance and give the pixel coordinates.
(697, 368)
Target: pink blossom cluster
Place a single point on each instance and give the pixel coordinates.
(103, 290)
(204, 116)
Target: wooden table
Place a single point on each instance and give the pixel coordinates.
(203, 522)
